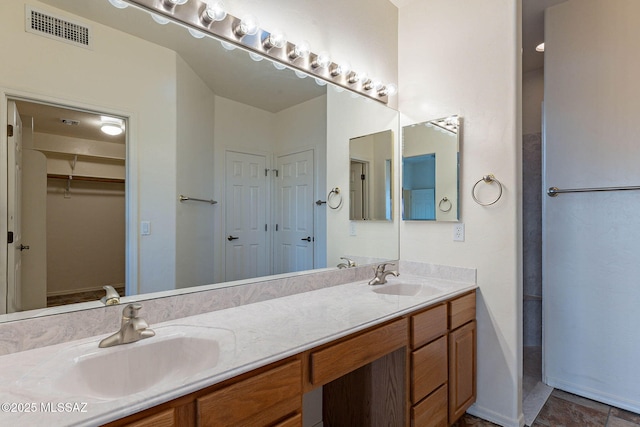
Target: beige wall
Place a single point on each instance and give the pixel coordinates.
(85, 236)
(532, 96)
(467, 63)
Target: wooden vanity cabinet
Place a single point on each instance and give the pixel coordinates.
(462, 355)
(429, 368)
(418, 370)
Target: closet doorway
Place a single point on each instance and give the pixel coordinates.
(69, 204)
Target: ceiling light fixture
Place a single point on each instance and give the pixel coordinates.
(247, 26)
(119, 4)
(111, 125)
(209, 17)
(213, 11)
(540, 47)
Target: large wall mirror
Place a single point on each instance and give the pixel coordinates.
(199, 121)
(371, 177)
(430, 170)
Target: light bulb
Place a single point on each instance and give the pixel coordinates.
(320, 82)
(214, 11)
(342, 69)
(372, 84)
(278, 66)
(248, 26)
(227, 45)
(275, 39)
(196, 34)
(159, 19)
(301, 50)
(119, 4)
(323, 60)
(256, 57)
(300, 74)
(177, 2)
(356, 77)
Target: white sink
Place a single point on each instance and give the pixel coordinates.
(173, 355)
(406, 289)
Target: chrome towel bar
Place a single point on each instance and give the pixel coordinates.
(186, 198)
(554, 191)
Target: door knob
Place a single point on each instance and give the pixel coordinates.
(23, 247)
(230, 238)
(308, 239)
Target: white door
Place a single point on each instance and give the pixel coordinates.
(14, 203)
(357, 176)
(245, 216)
(34, 229)
(294, 234)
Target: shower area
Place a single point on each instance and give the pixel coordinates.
(581, 244)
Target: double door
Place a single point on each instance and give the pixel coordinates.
(269, 214)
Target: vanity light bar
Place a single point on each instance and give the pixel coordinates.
(190, 15)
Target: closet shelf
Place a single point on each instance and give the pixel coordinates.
(80, 155)
(86, 178)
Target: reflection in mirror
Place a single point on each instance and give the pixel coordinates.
(197, 115)
(430, 170)
(370, 177)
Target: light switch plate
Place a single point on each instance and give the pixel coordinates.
(145, 228)
(352, 228)
(458, 232)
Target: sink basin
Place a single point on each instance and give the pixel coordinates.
(172, 356)
(406, 289)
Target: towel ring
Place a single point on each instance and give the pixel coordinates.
(444, 201)
(335, 192)
(488, 179)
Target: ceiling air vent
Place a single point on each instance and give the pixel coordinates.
(57, 28)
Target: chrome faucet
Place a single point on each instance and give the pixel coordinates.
(382, 273)
(112, 297)
(133, 328)
(348, 264)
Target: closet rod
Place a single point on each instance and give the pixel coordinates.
(86, 178)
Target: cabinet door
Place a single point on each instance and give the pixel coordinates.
(432, 411)
(462, 370)
(162, 419)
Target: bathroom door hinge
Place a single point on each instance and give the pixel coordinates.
(265, 227)
(276, 171)
(362, 177)
(10, 237)
(9, 130)
(266, 172)
(276, 227)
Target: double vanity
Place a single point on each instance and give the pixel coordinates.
(401, 353)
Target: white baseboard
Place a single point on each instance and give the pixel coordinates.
(622, 402)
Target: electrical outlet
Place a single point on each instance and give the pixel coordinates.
(458, 232)
(145, 228)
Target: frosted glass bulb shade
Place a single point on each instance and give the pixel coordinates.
(214, 11)
(119, 4)
(112, 130)
(196, 34)
(540, 47)
(177, 2)
(320, 82)
(256, 57)
(248, 26)
(159, 19)
(300, 74)
(278, 66)
(227, 45)
(388, 90)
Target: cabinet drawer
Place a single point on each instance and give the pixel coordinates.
(162, 419)
(295, 421)
(428, 369)
(428, 325)
(432, 411)
(462, 310)
(346, 356)
(256, 401)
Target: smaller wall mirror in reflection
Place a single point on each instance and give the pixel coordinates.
(430, 167)
(371, 177)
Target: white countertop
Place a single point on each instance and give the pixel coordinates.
(251, 336)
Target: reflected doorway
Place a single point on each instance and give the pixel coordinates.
(67, 199)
